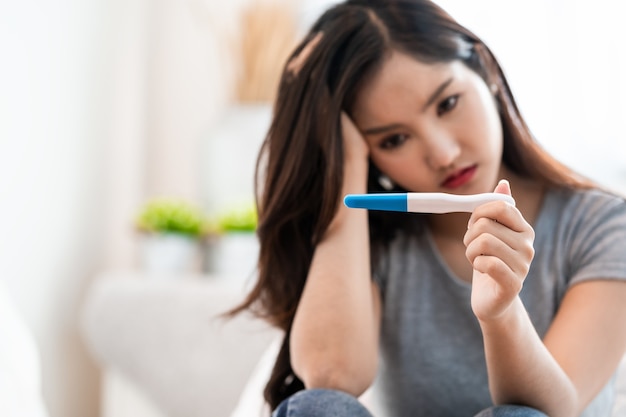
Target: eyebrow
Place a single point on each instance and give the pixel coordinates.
(433, 97)
(381, 129)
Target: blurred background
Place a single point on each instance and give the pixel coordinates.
(105, 104)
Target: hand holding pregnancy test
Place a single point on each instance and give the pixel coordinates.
(423, 202)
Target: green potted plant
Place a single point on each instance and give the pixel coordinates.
(239, 219)
(172, 231)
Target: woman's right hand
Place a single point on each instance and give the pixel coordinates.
(355, 147)
(335, 333)
(355, 166)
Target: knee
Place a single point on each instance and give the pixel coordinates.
(510, 411)
(321, 402)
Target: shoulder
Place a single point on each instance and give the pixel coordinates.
(589, 227)
(584, 224)
(590, 205)
(587, 197)
(584, 216)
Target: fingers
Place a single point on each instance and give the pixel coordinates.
(503, 187)
(355, 145)
(347, 125)
(497, 271)
(501, 212)
(499, 245)
(498, 230)
(482, 251)
(295, 65)
(504, 222)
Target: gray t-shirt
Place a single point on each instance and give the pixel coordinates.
(433, 361)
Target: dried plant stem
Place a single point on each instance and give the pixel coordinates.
(268, 34)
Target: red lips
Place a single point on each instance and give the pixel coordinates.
(460, 177)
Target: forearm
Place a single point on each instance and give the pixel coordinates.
(521, 370)
(334, 334)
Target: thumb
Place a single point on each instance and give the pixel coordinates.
(503, 187)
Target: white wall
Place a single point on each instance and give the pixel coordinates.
(566, 63)
(50, 179)
(170, 82)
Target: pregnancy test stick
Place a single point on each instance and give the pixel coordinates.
(423, 202)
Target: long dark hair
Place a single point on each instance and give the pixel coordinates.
(300, 173)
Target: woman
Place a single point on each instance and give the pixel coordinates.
(518, 306)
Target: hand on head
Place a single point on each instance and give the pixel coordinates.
(355, 146)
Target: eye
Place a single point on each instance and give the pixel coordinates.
(393, 141)
(447, 105)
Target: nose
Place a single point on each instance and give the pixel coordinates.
(441, 151)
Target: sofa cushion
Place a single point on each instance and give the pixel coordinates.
(167, 337)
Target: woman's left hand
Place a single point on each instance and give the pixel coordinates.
(499, 245)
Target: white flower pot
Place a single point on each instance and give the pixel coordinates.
(170, 254)
(234, 256)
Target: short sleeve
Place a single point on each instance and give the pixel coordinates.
(598, 249)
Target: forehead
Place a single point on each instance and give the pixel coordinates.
(406, 81)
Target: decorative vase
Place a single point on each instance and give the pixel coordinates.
(234, 256)
(170, 254)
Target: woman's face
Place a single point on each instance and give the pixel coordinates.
(431, 127)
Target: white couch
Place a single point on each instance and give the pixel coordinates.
(165, 353)
(165, 350)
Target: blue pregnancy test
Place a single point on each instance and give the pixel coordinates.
(423, 202)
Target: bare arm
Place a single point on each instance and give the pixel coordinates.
(522, 370)
(559, 375)
(334, 338)
(578, 356)
(593, 312)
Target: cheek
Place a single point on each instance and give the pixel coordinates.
(380, 161)
(403, 168)
(486, 121)
(494, 127)
(389, 164)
